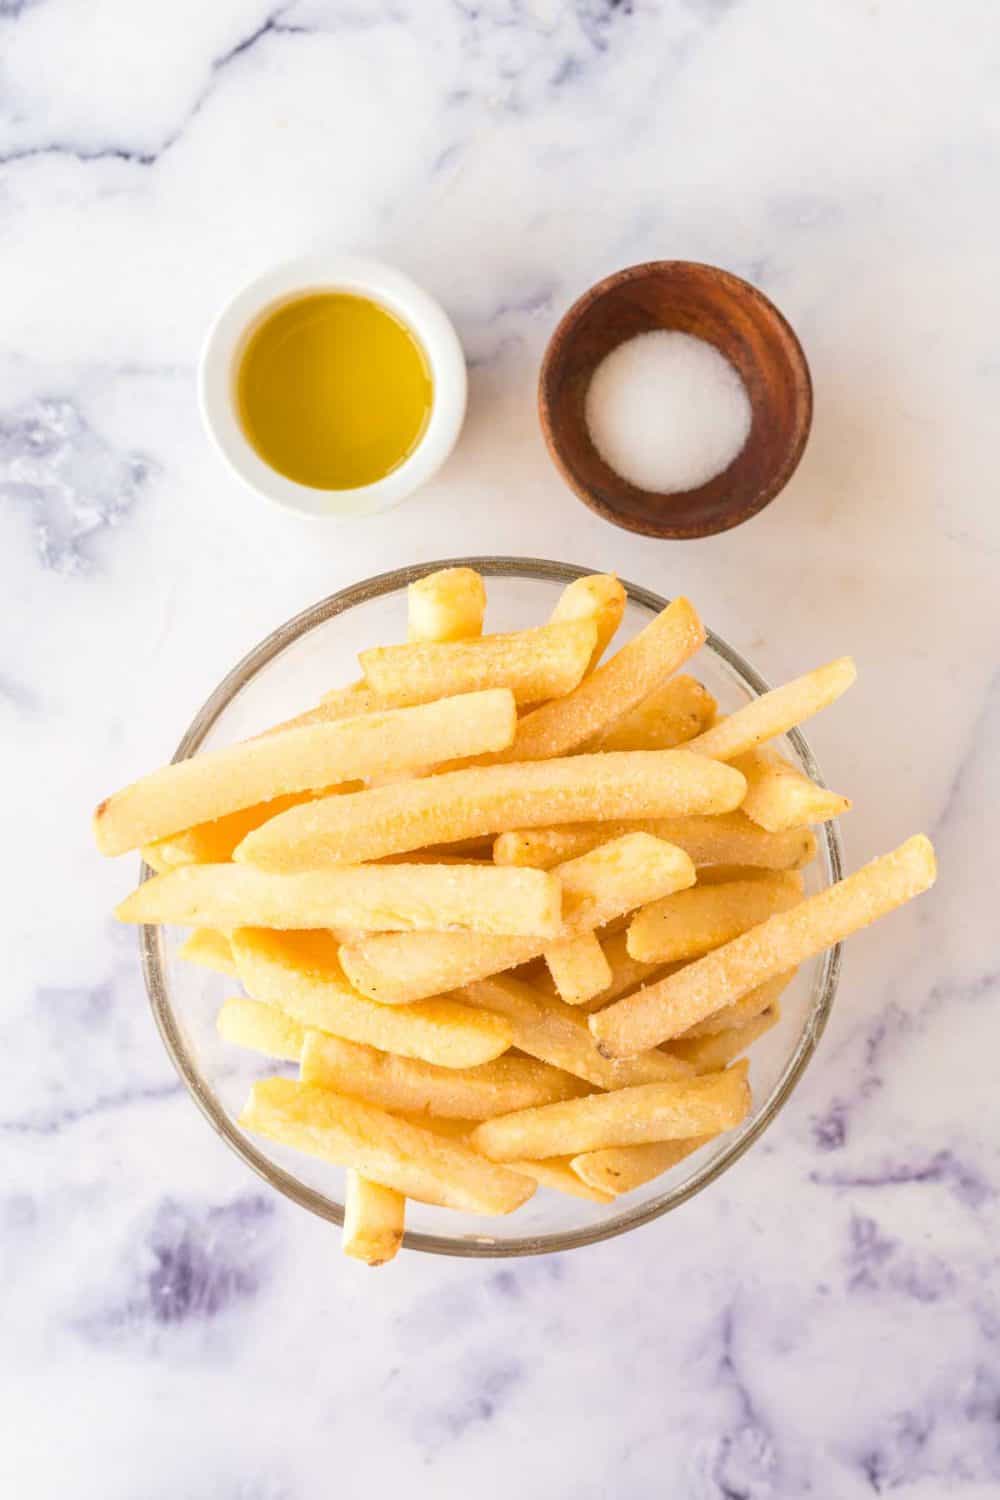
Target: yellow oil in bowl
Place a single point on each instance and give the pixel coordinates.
(333, 391)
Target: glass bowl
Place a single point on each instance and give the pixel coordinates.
(287, 672)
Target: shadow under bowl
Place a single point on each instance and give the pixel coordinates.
(746, 328)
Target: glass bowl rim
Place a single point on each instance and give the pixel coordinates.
(154, 973)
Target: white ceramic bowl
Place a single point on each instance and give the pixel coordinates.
(426, 320)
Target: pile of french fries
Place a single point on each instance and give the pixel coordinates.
(517, 914)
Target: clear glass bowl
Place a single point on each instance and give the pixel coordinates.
(288, 671)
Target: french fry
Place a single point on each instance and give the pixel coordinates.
(557, 1173)
(374, 1220)
(403, 1085)
(602, 885)
(641, 666)
(599, 597)
(468, 803)
(776, 712)
(670, 716)
(299, 973)
(648, 1112)
(213, 843)
(728, 838)
(544, 662)
(692, 922)
(448, 605)
(261, 1028)
(662, 1011)
(209, 948)
(543, 1027)
(747, 1008)
(626, 973)
(219, 782)
(780, 798)
(578, 967)
(418, 1163)
(372, 898)
(710, 1054)
(620, 1169)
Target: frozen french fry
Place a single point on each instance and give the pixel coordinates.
(728, 838)
(626, 973)
(670, 716)
(578, 967)
(448, 605)
(469, 803)
(209, 948)
(371, 898)
(665, 1009)
(598, 887)
(213, 843)
(629, 1117)
(299, 973)
(709, 1054)
(780, 798)
(620, 1169)
(754, 1003)
(219, 782)
(776, 712)
(641, 666)
(557, 1173)
(544, 662)
(418, 1163)
(599, 597)
(691, 922)
(543, 1027)
(261, 1028)
(404, 1085)
(374, 1220)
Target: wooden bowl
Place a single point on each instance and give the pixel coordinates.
(745, 327)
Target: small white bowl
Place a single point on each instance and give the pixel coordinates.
(426, 320)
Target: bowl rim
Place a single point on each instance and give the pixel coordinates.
(665, 529)
(151, 939)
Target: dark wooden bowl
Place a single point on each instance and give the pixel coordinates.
(745, 327)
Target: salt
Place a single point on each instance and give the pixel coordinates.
(667, 411)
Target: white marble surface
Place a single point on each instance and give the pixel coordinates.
(824, 1321)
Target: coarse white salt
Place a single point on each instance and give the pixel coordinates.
(667, 411)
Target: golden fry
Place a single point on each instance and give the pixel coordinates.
(599, 597)
(370, 898)
(299, 972)
(596, 888)
(557, 1173)
(209, 948)
(641, 666)
(619, 1169)
(545, 1028)
(218, 782)
(418, 1163)
(747, 1008)
(664, 1010)
(406, 1086)
(692, 922)
(448, 605)
(578, 967)
(780, 798)
(728, 838)
(648, 1112)
(670, 716)
(776, 712)
(262, 1028)
(709, 1054)
(544, 662)
(466, 804)
(213, 843)
(374, 1220)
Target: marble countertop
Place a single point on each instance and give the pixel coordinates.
(823, 1321)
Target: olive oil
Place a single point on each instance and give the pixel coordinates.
(333, 391)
